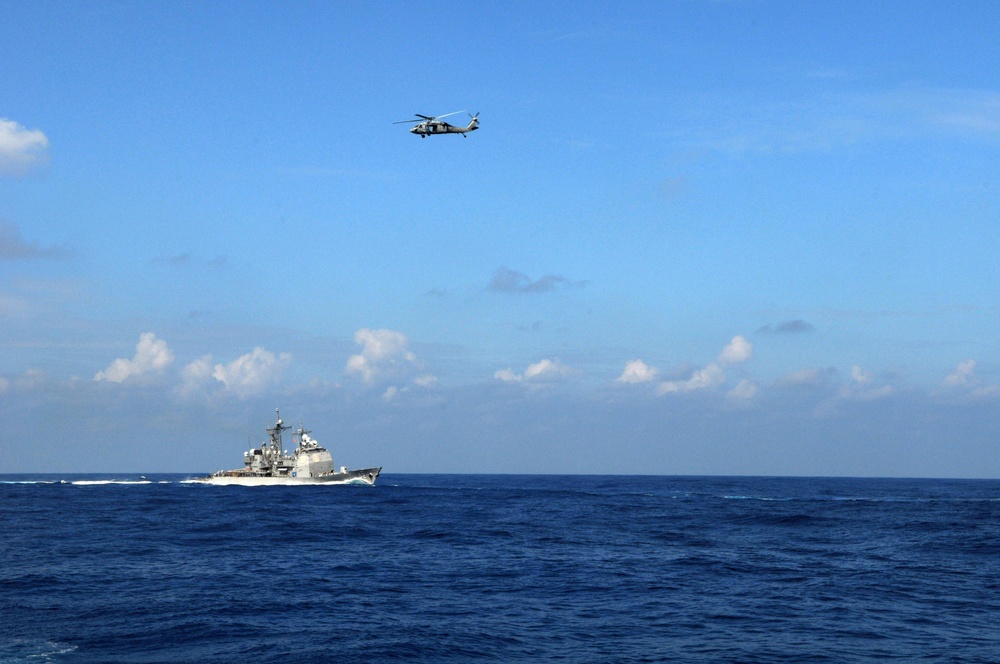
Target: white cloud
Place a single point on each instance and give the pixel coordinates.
(863, 386)
(4, 385)
(32, 379)
(709, 376)
(962, 376)
(506, 376)
(543, 371)
(199, 370)
(737, 351)
(637, 371)
(151, 355)
(385, 358)
(248, 374)
(860, 376)
(383, 353)
(744, 390)
(427, 380)
(546, 370)
(20, 149)
(196, 375)
(965, 379)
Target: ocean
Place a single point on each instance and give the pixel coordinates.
(455, 568)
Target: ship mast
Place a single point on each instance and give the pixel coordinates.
(275, 433)
(300, 433)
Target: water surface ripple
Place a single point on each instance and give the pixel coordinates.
(503, 568)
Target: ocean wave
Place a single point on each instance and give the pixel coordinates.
(32, 650)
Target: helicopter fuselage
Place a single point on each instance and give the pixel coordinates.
(425, 129)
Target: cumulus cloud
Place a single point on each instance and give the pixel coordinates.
(860, 376)
(151, 356)
(964, 379)
(427, 380)
(385, 358)
(196, 375)
(637, 371)
(962, 376)
(21, 149)
(709, 376)
(507, 376)
(546, 370)
(248, 374)
(744, 390)
(14, 247)
(32, 379)
(541, 372)
(506, 280)
(864, 387)
(384, 353)
(712, 375)
(738, 350)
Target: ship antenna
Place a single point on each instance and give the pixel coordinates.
(276, 430)
(301, 433)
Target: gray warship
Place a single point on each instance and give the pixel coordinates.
(309, 463)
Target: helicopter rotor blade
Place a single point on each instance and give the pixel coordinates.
(430, 118)
(422, 118)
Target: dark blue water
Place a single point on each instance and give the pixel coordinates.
(502, 568)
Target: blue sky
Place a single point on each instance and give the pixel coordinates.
(689, 237)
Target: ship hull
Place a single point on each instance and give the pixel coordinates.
(237, 478)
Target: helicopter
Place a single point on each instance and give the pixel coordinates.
(431, 125)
